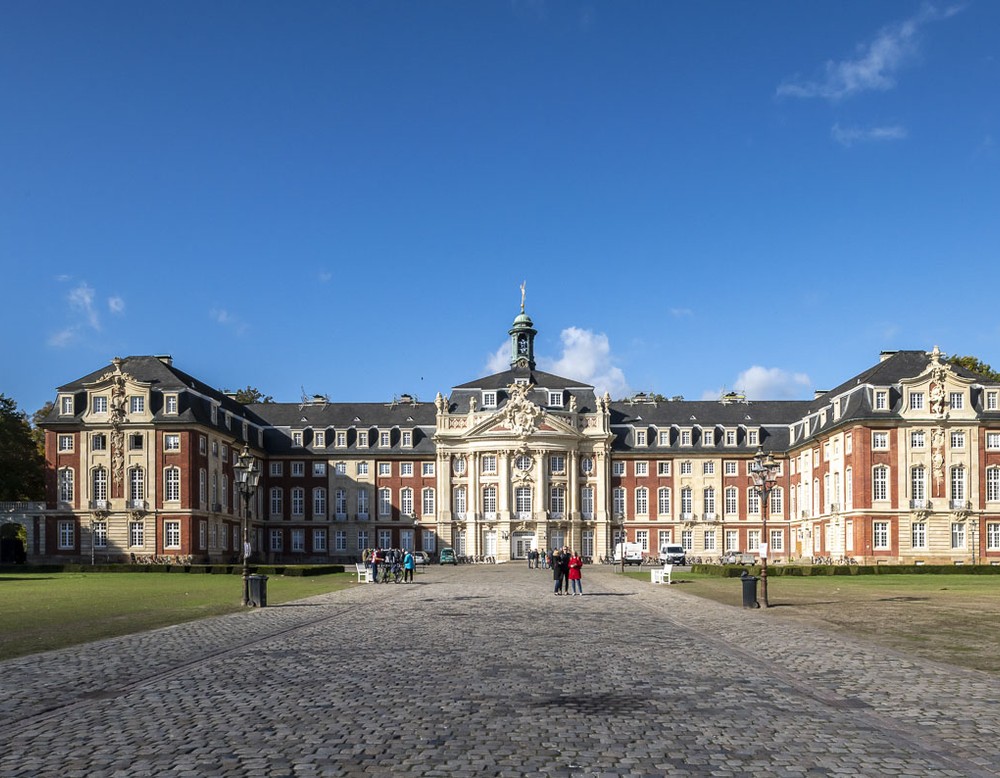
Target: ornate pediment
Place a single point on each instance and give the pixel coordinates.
(520, 415)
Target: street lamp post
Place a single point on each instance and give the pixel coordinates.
(247, 477)
(763, 477)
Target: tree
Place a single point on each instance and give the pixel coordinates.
(975, 365)
(249, 395)
(37, 433)
(22, 468)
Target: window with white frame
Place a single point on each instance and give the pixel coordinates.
(687, 502)
(277, 501)
(319, 541)
(957, 439)
(172, 534)
(100, 404)
(298, 501)
(993, 440)
(489, 399)
(642, 469)
(65, 481)
(557, 500)
(65, 443)
(993, 536)
(708, 501)
(361, 468)
(956, 400)
(297, 439)
(587, 465)
(777, 540)
(993, 484)
(708, 468)
(731, 467)
(319, 469)
(298, 469)
(385, 468)
(67, 534)
(880, 483)
(957, 535)
(427, 502)
(99, 442)
(664, 437)
(708, 437)
(172, 479)
(642, 501)
(753, 500)
(136, 484)
(687, 539)
(618, 500)
(957, 484)
(587, 502)
(918, 439)
(363, 503)
(642, 538)
(732, 500)
(709, 539)
(340, 503)
(406, 469)
(685, 437)
(319, 503)
(277, 539)
(490, 499)
(881, 400)
(992, 400)
(340, 439)
(384, 502)
(407, 439)
(99, 485)
(136, 534)
(663, 468)
(732, 540)
(459, 466)
(172, 442)
(880, 535)
(617, 468)
(384, 538)
(66, 405)
(753, 437)
(340, 540)
(489, 463)
(137, 404)
(555, 399)
(427, 469)
(916, 401)
(557, 463)
(880, 441)
(686, 467)
(522, 501)
(363, 438)
(918, 534)
(640, 437)
(319, 439)
(406, 501)
(429, 541)
(663, 501)
(384, 439)
(730, 437)
(777, 499)
(918, 484)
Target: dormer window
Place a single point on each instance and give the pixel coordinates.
(363, 438)
(66, 405)
(555, 399)
(708, 437)
(319, 440)
(640, 437)
(753, 438)
(170, 404)
(730, 437)
(881, 400)
(685, 437)
(100, 404)
(916, 401)
(215, 415)
(489, 399)
(383, 439)
(664, 437)
(137, 404)
(407, 439)
(297, 439)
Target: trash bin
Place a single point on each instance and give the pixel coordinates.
(258, 591)
(749, 590)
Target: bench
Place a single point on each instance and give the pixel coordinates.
(364, 573)
(661, 575)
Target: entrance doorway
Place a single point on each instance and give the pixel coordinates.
(523, 543)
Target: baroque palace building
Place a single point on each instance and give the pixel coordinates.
(900, 463)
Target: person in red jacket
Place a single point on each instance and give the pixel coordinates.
(576, 573)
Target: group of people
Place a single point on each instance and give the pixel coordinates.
(395, 559)
(567, 571)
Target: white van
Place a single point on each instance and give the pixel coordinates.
(633, 553)
(671, 554)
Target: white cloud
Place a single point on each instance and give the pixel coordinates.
(116, 304)
(678, 313)
(226, 319)
(81, 300)
(848, 136)
(325, 276)
(63, 338)
(586, 357)
(766, 383)
(876, 64)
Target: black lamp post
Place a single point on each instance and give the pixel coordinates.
(247, 477)
(763, 477)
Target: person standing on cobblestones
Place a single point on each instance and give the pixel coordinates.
(408, 565)
(376, 557)
(576, 572)
(554, 559)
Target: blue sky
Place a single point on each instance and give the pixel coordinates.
(344, 197)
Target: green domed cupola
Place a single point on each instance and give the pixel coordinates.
(522, 340)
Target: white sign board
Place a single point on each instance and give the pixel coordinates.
(763, 550)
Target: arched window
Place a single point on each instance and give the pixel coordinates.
(66, 477)
(708, 501)
(100, 485)
(587, 502)
(918, 485)
(298, 501)
(172, 481)
(385, 502)
(687, 502)
(277, 502)
(406, 501)
(642, 501)
(777, 501)
(958, 486)
(732, 501)
(319, 503)
(427, 503)
(880, 482)
(663, 501)
(136, 485)
(460, 503)
(490, 499)
(618, 500)
(557, 500)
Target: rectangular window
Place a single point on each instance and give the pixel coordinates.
(730, 437)
(617, 468)
(732, 501)
(406, 469)
(173, 484)
(277, 468)
(880, 534)
(957, 535)
(557, 463)
(664, 437)
(340, 468)
(298, 469)
(67, 535)
(881, 400)
(642, 468)
(731, 467)
(277, 539)
(752, 437)
(135, 441)
(555, 399)
(663, 501)
(993, 484)
(642, 502)
(384, 502)
(298, 541)
(686, 468)
(777, 540)
(956, 400)
(137, 404)
(362, 539)
(642, 538)
(171, 404)
(319, 469)
(880, 483)
(341, 440)
(918, 439)
(99, 442)
(687, 539)
(708, 437)
(362, 504)
(663, 468)
(993, 536)
(385, 468)
(383, 439)
(406, 502)
(65, 442)
(640, 437)
(992, 400)
(297, 439)
(753, 540)
(685, 437)
(880, 441)
(340, 503)
(709, 540)
(100, 405)
(172, 534)
(277, 501)
(732, 540)
(489, 399)
(65, 406)
(319, 440)
(136, 534)
(172, 442)
(427, 468)
(993, 440)
(618, 501)
(407, 440)
(319, 541)
(957, 439)
(298, 501)
(340, 540)
(708, 468)
(363, 439)
(918, 534)
(319, 503)
(362, 468)
(916, 401)
(490, 464)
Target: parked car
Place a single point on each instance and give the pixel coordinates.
(447, 557)
(421, 558)
(672, 554)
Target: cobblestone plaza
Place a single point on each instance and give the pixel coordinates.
(481, 671)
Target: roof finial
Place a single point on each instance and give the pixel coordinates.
(523, 283)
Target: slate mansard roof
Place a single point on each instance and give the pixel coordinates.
(542, 383)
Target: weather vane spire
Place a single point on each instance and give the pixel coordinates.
(522, 295)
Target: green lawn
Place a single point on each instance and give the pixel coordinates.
(947, 618)
(39, 612)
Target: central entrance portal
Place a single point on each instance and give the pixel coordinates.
(523, 543)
